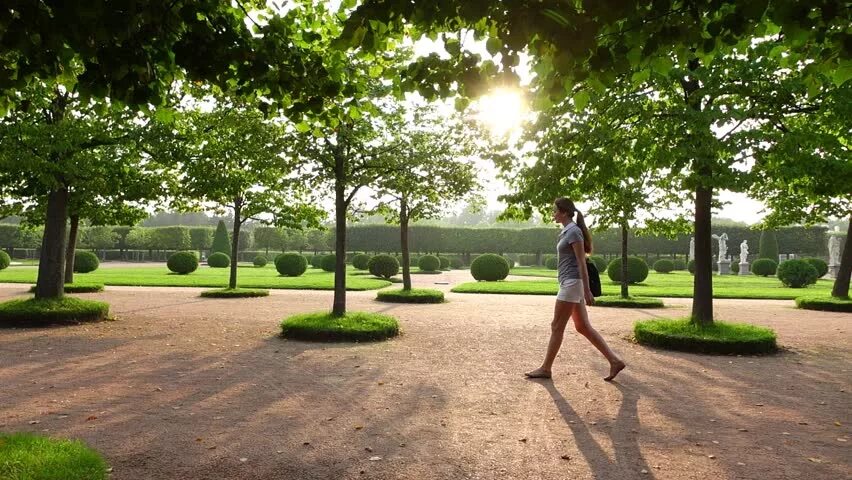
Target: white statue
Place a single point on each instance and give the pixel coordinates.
(691, 248)
(744, 252)
(833, 249)
(723, 246)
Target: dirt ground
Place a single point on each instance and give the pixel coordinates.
(180, 387)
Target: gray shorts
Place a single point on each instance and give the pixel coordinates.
(571, 290)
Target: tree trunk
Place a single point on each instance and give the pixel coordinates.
(403, 237)
(72, 247)
(235, 243)
(338, 307)
(50, 283)
(841, 283)
(624, 279)
(702, 294)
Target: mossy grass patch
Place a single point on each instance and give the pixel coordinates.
(629, 302)
(719, 337)
(24, 456)
(415, 295)
(235, 293)
(79, 288)
(40, 312)
(825, 303)
(351, 327)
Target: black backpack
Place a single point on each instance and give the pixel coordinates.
(594, 279)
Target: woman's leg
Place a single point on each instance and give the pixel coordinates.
(584, 328)
(561, 314)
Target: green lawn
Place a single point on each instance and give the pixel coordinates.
(677, 284)
(158, 275)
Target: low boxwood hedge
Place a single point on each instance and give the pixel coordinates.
(629, 302)
(40, 312)
(825, 303)
(235, 293)
(415, 295)
(351, 327)
(718, 337)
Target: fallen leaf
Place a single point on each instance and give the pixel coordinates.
(199, 439)
(803, 423)
(741, 464)
(742, 429)
(368, 449)
(523, 440)
(306, 443)
(815, 460)
(838, 424)
(211, 447)
(711, 457)
(34, 422)
(841, 440)
(375, 459)
(91, 417)
(565, 457)
(644, 472)
(359, 427)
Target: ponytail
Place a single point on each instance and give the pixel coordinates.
(587, 237)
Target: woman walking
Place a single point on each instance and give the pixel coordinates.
(573, 243)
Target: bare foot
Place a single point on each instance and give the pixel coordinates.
(614, 368)
(538, 373)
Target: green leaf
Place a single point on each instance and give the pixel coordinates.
(641, 76)
(843, 72)
(581, 99)
(493, 45)
(376, 71)
(302, 127)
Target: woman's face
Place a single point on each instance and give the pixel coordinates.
(559, 216)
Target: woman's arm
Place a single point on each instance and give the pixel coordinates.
(580, 253)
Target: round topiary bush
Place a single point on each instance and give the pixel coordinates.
(352, 327)
(85, 262)
(316, 261)
(662, 266)
(797, 273)
(599, 261)
(735, 267)
(489, 267)
(5, 260)
(384, 266)
(691, 266)
(679, 265)
(551, 263)
(260, 261)
(291, 264)
(637, 270)
(456, 263)
(415, 295)
(182, 262)
(429, 263)
(29, 456)
(413, 260)
(329, 262)
(718, 337)
(360, 261)
(509, 261)
(819, 264)
(764, 267)
(445, 263)
(219, 260)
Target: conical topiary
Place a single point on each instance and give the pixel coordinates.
(221, 240)
(768, 245)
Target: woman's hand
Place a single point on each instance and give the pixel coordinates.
(590, 299)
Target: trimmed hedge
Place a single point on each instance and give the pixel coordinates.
(26, 456)
(219, 260)
(661, 266)
(509, 261)
(679, 264)
(85, 262)
(764, 267)
(235, 293)
(260, 261)
(383, 266)
(599, 262)
(329, 262)
(719, 337)
(819, 264)
(797, 273)
(361, 261)
(429, 263)
(629, 302)
(456, 263)
(415, 295)
(489, 267)
(551, 263)
(5, 260)
(445, 263)
(352, 327)
(825, 304)
(768, 246)
(291, 264)
(691, 267)
(182, 262)
(25, 312)
(316, 261)
(637, 270)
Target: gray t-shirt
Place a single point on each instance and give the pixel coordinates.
(568, 266)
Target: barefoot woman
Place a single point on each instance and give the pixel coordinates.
(572, 246)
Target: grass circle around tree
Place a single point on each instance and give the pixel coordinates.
(825, 303)
(85, 262)
(182, 263)
(42, 312)
(235, 293)
(79, 288)
(617, 301)
(489, 267)
(291, 264)
(5, 260)
(34, 457)
(351, 327)
(260, 261)
(716, 338)
(415, 295)
(219, 260)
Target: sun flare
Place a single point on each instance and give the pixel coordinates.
(502, 111)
